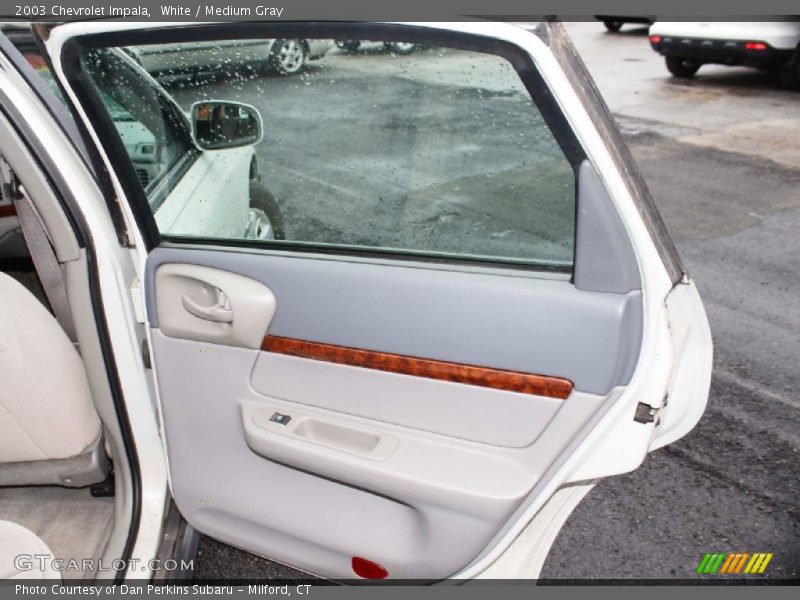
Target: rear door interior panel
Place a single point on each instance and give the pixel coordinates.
(415, 473)
(395, 399)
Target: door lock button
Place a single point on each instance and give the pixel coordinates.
(280, 419)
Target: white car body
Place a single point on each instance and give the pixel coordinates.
(783, 35)
(765, 45)
(674, 359)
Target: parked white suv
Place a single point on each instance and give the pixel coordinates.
(475, 313)
(767, 45)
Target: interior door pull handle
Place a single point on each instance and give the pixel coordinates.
(221, 312)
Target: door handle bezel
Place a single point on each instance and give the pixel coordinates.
(205, 304)
(218, 313)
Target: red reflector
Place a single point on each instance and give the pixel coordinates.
(755, 46)
(35, 60)
(368, 569)
(655, 39)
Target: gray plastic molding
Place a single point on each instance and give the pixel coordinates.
(517, 323)
(604, 257)
(330, 485)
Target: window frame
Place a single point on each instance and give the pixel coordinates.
(178, 124)
(144, 211)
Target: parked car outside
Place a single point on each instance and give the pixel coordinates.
(766, 45)
(615, 22)
(156, 157)
(283, 56)
(352, 46)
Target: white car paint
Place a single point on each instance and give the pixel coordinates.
(212, 198)
(782, 35)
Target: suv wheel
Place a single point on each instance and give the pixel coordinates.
(682, 67)
(613, 26)
(400, 47)
(288, 57)
(349, 46)
(790, 74)
(265, 221)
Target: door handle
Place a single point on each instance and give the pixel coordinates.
(219, 312)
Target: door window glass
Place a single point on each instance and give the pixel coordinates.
(364, 145)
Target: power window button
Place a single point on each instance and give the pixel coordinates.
(280, 419)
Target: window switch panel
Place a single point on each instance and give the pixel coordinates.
(280, 419)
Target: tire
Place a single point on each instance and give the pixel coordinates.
(348, 46)
(264, 205)
(400, 47)
(790, 74)
(253, 172)
(682, 67)
(613, 26)
(288, 57)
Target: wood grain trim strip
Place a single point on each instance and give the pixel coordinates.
(511, 381)
(8, 210)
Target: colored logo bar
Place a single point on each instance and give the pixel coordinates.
(732, 563)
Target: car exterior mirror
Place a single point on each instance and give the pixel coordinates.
(218, 124)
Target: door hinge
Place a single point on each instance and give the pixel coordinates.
(647, 414)
(10, 183)
(146, 359)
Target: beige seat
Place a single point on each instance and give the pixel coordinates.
(23, 554)
(49, 430)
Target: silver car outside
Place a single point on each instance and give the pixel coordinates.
(286, 57)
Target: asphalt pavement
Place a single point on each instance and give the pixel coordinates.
(720, 154)
(441, 151)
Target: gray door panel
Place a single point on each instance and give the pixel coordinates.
(544, 326)
(515, 419)
(416, 474)
(424, 511)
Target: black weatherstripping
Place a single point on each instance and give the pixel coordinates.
(143, 210)
(366, 252)
(88, 97)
